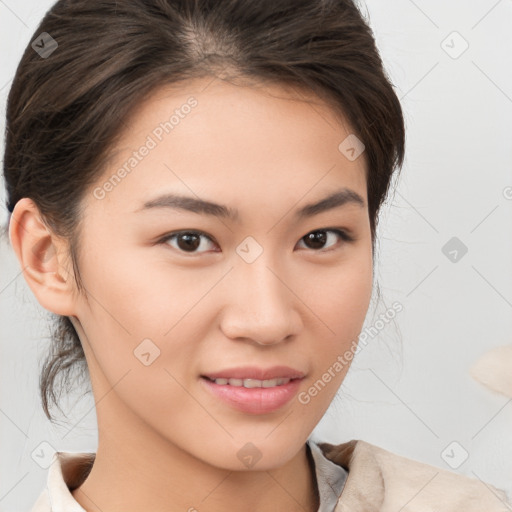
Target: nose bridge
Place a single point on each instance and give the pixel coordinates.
(259, 305)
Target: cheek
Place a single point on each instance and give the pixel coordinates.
(130, 294)
(340, 301)
(340, 296)
(138, 307)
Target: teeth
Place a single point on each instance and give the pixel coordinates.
(252, 383)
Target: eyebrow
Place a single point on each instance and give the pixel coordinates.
(339, 198)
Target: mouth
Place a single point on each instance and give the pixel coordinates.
(255, 373)
(251, 383)
(253, 396)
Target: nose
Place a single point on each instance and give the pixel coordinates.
(260, 305)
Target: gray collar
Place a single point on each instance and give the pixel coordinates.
(330, 478)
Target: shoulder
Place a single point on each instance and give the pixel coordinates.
(379, 480)
(42, 503)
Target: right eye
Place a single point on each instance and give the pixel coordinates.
(187, 241)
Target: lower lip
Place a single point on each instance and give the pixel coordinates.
(254, 400)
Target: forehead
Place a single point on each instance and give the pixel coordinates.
(214, 138)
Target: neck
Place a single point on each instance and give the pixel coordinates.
(136, 469)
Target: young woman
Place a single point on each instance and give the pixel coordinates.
(195, 187)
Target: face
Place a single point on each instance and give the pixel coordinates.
(175, 294)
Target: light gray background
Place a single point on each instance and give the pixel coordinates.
(414, 401)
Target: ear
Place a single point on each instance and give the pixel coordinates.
(42, 255)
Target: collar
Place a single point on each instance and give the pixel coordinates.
(330, 478)
(67, 472)
(382, 481)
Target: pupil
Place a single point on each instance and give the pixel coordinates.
(189, 239)
(318, 238)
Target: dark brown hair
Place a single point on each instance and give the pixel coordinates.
(66, 110)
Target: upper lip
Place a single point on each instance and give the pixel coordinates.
(253, 372)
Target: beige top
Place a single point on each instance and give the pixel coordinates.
(351, 477)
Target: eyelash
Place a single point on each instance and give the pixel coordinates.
(342, 234)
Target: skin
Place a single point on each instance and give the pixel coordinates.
(165, 443)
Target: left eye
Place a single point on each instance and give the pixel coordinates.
(190, 241)
(318, 237)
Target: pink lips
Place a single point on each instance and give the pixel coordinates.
(253, 400)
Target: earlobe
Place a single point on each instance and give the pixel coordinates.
(41, 256)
